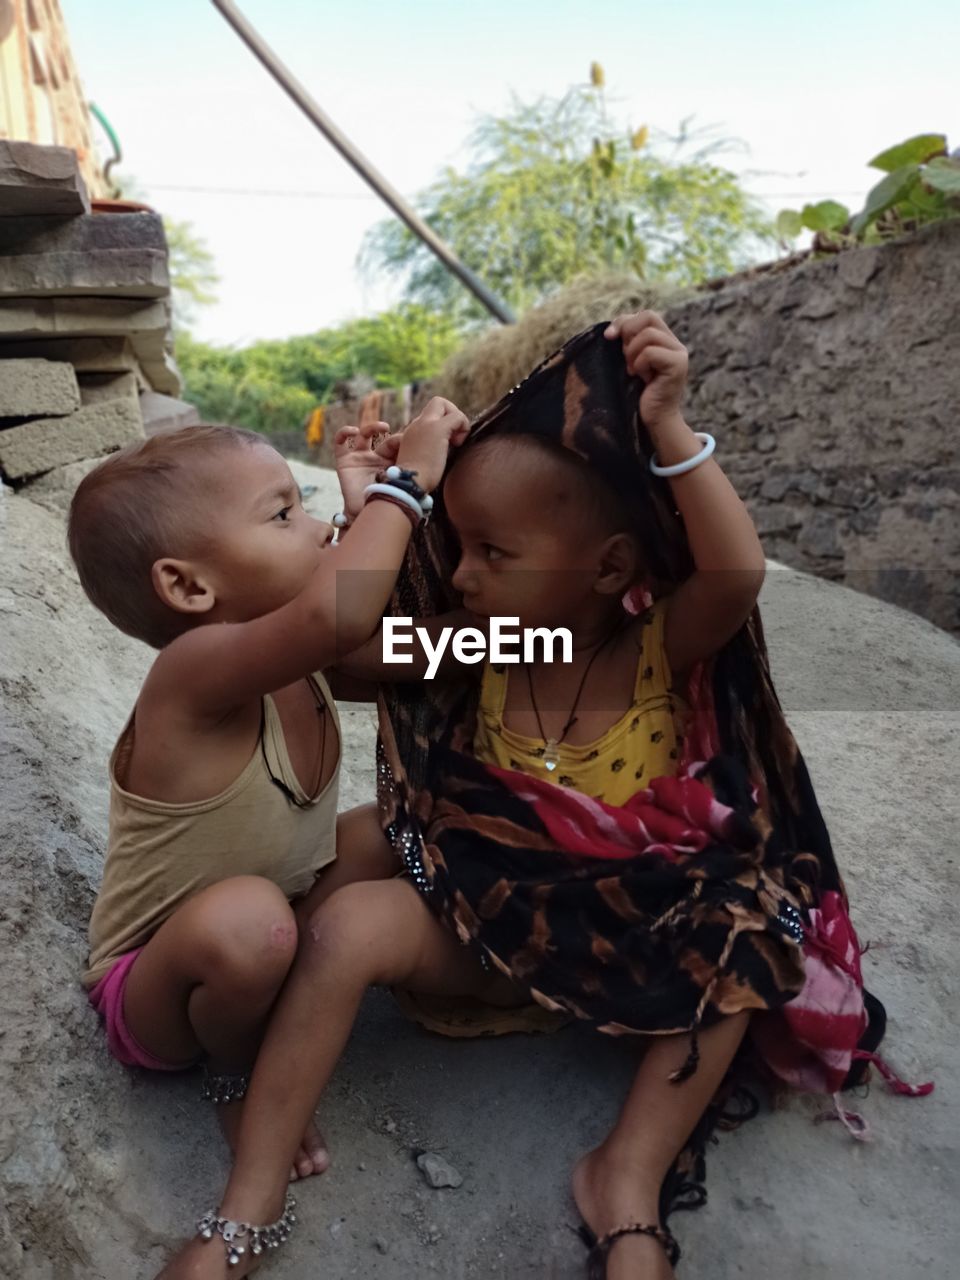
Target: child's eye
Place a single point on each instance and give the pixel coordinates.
(283, 515)
(492, 552)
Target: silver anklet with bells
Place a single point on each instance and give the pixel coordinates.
(241, 1236)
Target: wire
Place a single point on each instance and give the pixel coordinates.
(263, 191)
(369, 195)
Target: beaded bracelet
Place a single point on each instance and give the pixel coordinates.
(403, 479)
(419, 502)
(398, 486)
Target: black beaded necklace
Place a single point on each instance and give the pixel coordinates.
(321, 709)
(551, 753)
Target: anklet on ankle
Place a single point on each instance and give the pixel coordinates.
(600, 1248)
(237, 1236)
(223, 1088)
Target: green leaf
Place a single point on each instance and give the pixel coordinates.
(827, 215)
(916, 150)
(943, 174)
(885, 195)
(789, 224)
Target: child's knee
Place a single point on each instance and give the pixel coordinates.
(355, 929)
(249, 932)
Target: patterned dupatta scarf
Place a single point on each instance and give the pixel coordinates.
(709, 893)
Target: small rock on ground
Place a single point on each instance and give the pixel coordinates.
(437, 1172)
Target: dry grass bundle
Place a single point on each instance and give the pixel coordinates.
(485, 369)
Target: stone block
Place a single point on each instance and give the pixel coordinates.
(55, 489)
(121, 255)
(161, 374)
(35, 388)
(143, 322)
(166, 413)
(100, 388)
(40, 180)
(93, 233)
(46, 443)
(87, 355)
(124, 273)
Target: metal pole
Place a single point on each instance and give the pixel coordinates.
(393, 198)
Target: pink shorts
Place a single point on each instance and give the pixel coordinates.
(107, 998)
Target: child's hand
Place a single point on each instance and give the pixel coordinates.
(425, 443)
(359, 453)
(656, 355)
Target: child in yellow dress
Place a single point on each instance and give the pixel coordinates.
(542, 538)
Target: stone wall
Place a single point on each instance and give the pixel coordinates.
(833, 390)
(86, 344)
(832, 386)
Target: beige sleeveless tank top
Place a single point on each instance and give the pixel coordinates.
(160, 854)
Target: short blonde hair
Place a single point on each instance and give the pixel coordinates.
(136, 507)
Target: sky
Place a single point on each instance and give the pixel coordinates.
(812, 91)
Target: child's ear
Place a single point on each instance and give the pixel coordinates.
(179, 587)
(618, 565)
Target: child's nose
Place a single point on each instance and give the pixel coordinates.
(324, 532)
(462, 576)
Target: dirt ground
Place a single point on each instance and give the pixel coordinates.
(102, 1170)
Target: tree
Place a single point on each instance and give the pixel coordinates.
(193, 275)
(556, 189)
(272, 385)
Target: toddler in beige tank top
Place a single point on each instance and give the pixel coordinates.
(224, 836)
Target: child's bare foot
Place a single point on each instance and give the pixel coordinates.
(206, 1260)
(609, 1194)
(233, 1243)
(312, 1155)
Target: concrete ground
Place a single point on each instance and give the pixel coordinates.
(102, 1170)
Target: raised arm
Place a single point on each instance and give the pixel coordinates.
(429, 654)
(715, 601)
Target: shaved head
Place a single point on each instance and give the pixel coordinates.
(147, 502)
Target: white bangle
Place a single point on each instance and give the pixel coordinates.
(678, 468)
(400, 495)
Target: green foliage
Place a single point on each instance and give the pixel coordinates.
(246, 388)
(914, 151)
(193, 275)
(921, 184)
(273, 385)
(556, 189)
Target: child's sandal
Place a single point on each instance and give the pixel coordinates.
(222, 1089)
(600, 1248)
(238, 1236)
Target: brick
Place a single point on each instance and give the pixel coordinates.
(166, 413)
(120, 255)
(34, 388)
(143, 321)
(55, 489)
(93, 233)
(87, 355)
(40, 180)
(46, 443)
(124, 273)
(100, 388)
(162, 375)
